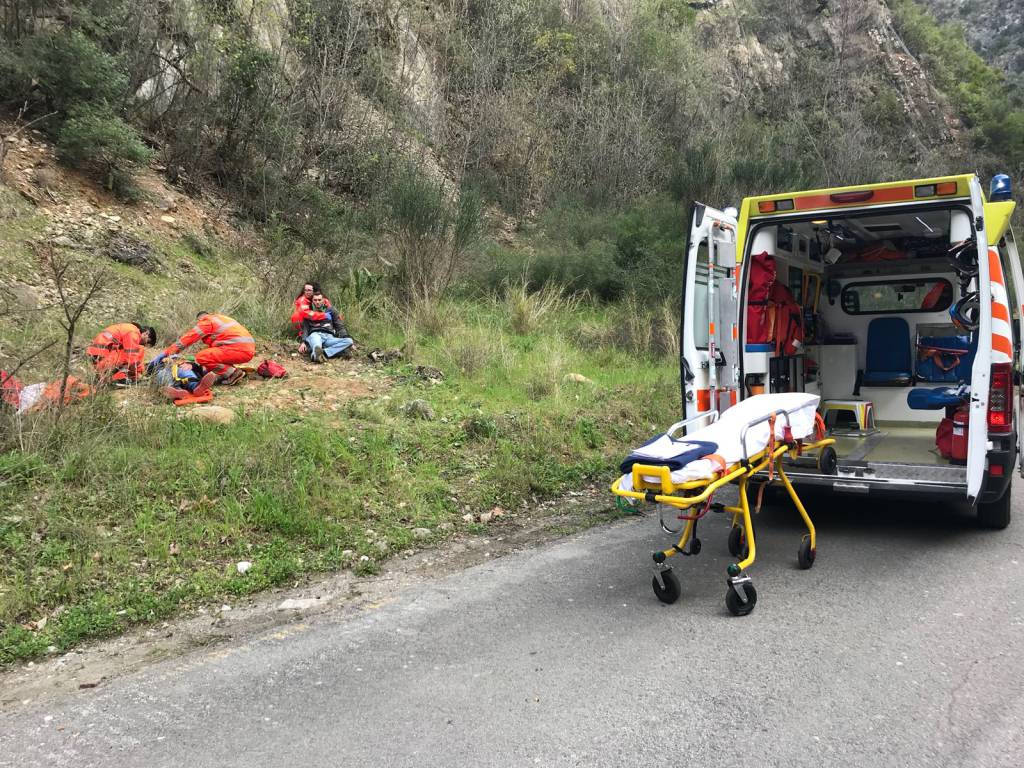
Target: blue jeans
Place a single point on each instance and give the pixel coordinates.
(332, 345)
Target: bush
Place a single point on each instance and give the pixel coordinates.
(93, 137)
(66, 68)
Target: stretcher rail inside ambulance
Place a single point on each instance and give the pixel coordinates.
(897, 304)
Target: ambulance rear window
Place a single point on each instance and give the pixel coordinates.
(933, 294)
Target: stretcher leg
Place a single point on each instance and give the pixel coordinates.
(748, 527)
(809, 544)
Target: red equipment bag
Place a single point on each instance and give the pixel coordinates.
(951, 435)
(268, 369)
(786, 320)
(762, 277)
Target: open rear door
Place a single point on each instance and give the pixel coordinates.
(709, 363)
(981, 373)
(1017, 322)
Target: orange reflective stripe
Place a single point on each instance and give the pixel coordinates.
(1002, 344)
(236, 340)
(1000, 312)
(995, 269)
(703, 399)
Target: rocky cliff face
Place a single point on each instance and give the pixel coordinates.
(994, 28)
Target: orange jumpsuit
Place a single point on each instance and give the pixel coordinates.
(117, 353)
(228, 343)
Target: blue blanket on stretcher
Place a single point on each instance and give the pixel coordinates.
(667, 451)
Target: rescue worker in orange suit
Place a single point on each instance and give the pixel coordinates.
(304, 308)
(117, 352)
(228, 344)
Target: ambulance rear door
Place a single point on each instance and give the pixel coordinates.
(709, 364)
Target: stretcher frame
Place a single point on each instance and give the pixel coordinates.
(741, 596)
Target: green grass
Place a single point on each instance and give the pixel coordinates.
(126, 516)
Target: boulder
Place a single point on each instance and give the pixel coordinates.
(214, 414)
(128, 249)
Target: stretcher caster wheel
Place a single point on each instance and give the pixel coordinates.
(828, 462)
(737, 605)
(670, 592)
(738, 542)
(805, 556)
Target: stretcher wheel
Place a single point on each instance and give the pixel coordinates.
(805, 556)
(736, 605)
(670, 592)
(828, 462)
(738, 542)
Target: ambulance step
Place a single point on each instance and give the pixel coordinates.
(941, 474)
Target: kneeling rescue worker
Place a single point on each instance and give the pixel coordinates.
(117, 353)
(228, 344)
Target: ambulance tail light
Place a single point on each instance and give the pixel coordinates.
(1000, 399)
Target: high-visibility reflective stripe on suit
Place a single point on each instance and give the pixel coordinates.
(117, 352)
(228, 342)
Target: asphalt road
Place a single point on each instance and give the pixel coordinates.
(903, 646)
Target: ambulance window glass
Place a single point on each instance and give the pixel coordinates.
(897, 297)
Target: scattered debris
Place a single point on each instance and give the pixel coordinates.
(128, 249)
(576, 378)
(297, 604)
(380, 356)
(419, 409)
(243, 566)
(429, 373)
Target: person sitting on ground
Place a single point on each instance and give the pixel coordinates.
(117, 352)
(325, 338)
(304, 307)
(228, 344)
(183, 378)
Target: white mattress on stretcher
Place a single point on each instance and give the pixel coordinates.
(726, 432)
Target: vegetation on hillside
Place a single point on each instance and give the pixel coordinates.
(498, 187)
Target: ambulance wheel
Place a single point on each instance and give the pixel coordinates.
(805, 556)
(737, 542)
(736, 605)
(995, 515)
(828, 462)
(670, 592)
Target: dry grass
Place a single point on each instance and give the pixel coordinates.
(527, 309)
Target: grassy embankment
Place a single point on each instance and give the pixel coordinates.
(118, 516)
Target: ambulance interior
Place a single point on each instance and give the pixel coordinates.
(875, 290)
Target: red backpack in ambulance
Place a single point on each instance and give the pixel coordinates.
(762, 277)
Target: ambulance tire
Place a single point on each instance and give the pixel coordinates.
(996, 515)
(670, 592)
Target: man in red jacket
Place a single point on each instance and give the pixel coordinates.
(304, 308)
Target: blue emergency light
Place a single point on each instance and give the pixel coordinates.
(1001, 189)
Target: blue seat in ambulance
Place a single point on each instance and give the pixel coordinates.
(889, 360)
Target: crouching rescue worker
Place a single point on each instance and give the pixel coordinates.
(228, 344)
(117, 353)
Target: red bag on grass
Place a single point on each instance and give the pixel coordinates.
(270, 370)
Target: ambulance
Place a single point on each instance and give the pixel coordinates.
(897, 303)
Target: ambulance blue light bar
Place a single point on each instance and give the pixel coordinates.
(1001, 189)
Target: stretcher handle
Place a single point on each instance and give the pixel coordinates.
(713, 415)
(761, 420)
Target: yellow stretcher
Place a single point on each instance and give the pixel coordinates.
(741, 595)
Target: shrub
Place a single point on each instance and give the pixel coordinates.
(67, 69)
(93, 137)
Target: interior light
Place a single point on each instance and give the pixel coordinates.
(819, 222)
